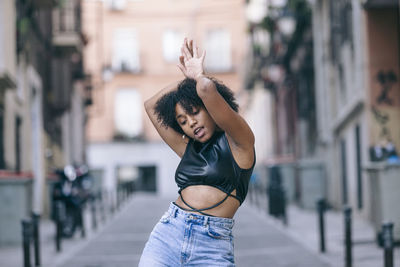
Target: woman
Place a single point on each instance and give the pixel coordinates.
(198, 119)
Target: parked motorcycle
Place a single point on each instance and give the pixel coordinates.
(72, 190)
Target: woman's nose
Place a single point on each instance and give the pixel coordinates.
(192, 121)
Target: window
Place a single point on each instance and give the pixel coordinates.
(116, 4)
(128, 113)
(172, 42)
(218, 47)
(125, 56)
(66, 18)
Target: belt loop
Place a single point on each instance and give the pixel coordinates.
(205, 221)
(175, 212)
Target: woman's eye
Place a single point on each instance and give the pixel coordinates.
(182, 122)
(196, 111)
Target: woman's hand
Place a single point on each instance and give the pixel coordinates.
(191, 64)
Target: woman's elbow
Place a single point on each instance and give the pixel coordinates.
(205, 87)
(148, 103)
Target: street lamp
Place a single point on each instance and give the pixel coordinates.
(256, 11)
(286, 25)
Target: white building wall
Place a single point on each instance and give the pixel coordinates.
(11, 111)
(66, 136)
(73, 121)
(320, 27)
(259, 116)
(108, 156)
(2, 36)
(35, 131)
(78, 114)
(7, 37)
(340, 106)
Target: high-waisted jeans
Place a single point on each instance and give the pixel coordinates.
(182, 238)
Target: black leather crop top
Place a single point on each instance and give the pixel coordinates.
(212, 164)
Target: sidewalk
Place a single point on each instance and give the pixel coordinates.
(303, 227)
(12, 256)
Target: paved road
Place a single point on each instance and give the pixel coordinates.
(120, 243)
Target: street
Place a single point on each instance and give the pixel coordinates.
(119, 244)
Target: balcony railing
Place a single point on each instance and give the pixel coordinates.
(67, 25)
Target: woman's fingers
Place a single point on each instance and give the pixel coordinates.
(190, 50)
(182, 60)
(181, 67)
(185, 50)
(195, 49)
(184, 53)
(191, 47)
(203, 56)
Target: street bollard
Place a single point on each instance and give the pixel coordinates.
(257, 191)
(119, 197)
(81, 215)
(321, 210)
(111, 201)
(59, 216)
(276, 195)
(254, 195)
(347, 237)
(101, 205)
(26, 241)
(93, 209)
(36, 237)
(123, 189)
(387, 236)
(250, 194)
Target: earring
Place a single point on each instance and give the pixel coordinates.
(183, 139)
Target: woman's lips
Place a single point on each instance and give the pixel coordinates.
(199, 132)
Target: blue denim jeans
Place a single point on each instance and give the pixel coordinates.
(182, 238)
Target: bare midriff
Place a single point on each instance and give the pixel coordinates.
(203, 196)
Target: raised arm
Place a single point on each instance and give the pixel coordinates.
(225, 117)
(236, 128)
(169, 135)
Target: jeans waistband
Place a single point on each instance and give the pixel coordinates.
(175, 212)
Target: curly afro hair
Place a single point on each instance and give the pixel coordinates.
(186, 96)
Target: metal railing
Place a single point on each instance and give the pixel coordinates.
(101, 205)
(260, 192)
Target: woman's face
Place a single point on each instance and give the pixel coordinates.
(198, 126)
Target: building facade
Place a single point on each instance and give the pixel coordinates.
(42, 104)
(133, 50)
(357, 91)
(334, 82)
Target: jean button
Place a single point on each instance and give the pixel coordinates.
(191, 217)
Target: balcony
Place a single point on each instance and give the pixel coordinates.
(67, 26)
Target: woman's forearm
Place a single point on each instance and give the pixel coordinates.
(204, 86)
(151, 102)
